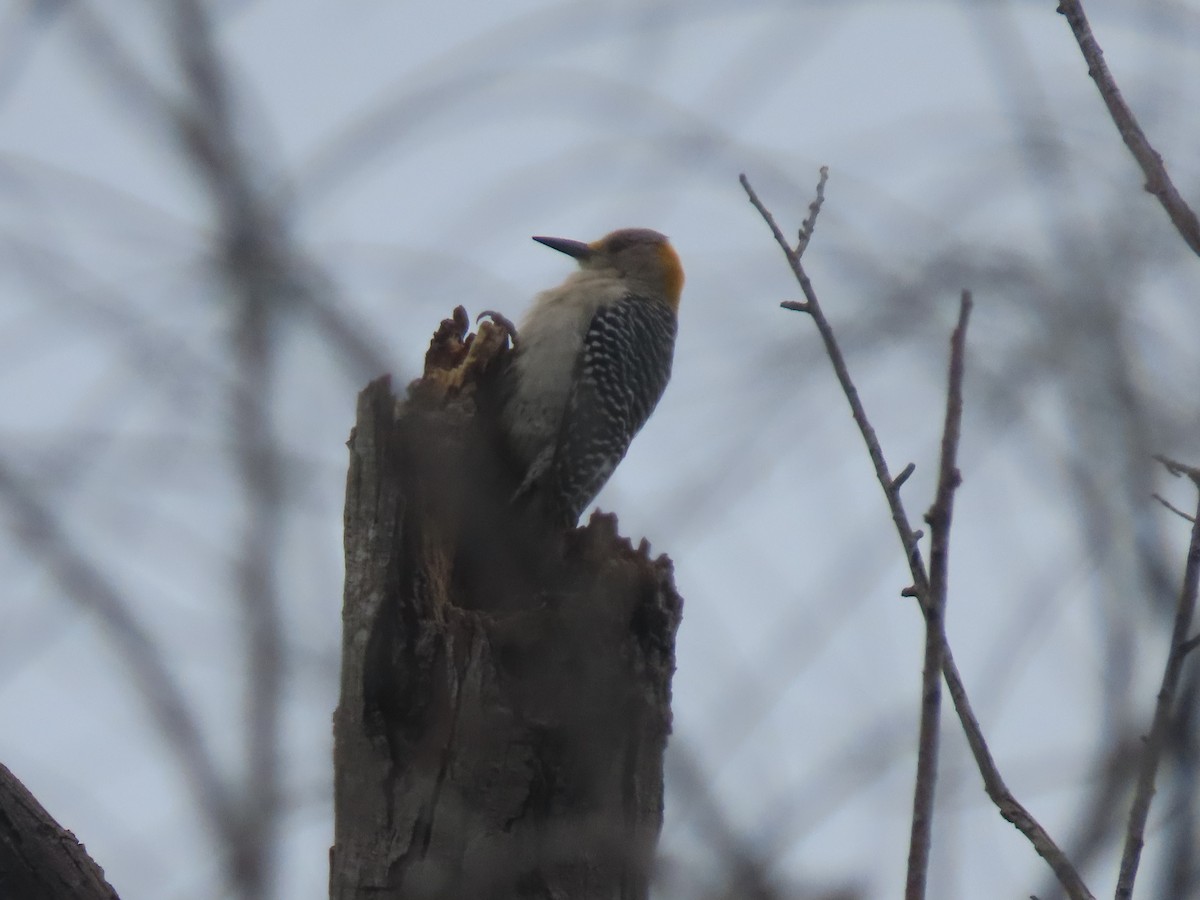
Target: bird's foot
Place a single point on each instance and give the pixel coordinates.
(502, 322)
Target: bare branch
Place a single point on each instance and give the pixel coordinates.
(997, 790)
(1180, 470)
(1152, 754)
(1158, 182)
(993, 783)
(1187, 517)
(814, 209)
(1190, 644)
(939, 518)
(812, 306)
(904, 475)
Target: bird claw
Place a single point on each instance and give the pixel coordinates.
(502, 322)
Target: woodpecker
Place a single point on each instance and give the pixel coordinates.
(592, 359)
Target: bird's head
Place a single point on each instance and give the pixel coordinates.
(641, 256)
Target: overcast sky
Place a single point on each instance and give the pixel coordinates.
(411, 149)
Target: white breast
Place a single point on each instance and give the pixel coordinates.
(549, 340)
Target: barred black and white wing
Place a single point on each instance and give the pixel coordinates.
(621, 374)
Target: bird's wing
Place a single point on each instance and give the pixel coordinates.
(621, 374)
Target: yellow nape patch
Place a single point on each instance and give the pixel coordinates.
(672, 270)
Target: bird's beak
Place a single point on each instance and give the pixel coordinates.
(575, 249)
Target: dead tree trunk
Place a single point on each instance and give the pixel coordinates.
(505, 690)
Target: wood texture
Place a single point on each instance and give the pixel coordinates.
(39, 859)
(505, 694)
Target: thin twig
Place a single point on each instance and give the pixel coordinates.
(1178, 469)
(1189, 645)
(939, 518)
(1187, 517)
(1158, 182)
(813, 307)
(1011, 809)
(814, 209)
(1152, 753)
(993, 783)
(904, 475)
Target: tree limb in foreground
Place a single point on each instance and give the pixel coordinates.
(39, 859)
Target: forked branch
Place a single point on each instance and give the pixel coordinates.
(922, 587)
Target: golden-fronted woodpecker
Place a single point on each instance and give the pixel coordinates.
(593, 357)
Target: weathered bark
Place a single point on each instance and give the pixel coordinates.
(39, 859)
(505, 694)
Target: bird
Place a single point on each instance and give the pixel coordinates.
(592, 358)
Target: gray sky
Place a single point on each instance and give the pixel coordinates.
(413, 148)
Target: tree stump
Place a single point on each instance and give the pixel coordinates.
(505, 687)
